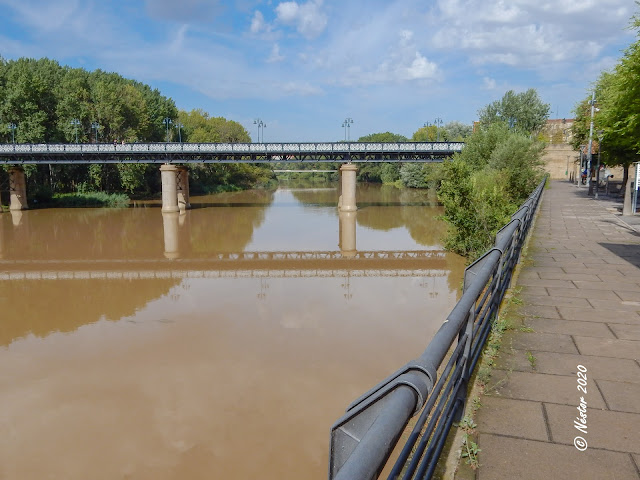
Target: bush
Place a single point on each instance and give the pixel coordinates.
(91, 199)
(413, 175)
(482, 186)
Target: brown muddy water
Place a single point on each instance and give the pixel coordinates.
(218, 344)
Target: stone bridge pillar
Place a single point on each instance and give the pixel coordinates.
(347, 201)
(169, 188)
(183, 188)
(347, 232)
(17, 189)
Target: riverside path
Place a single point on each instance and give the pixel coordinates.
(564, 400)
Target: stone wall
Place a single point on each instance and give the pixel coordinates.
(559, 160)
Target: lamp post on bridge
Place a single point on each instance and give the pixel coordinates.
(347, 127)
(12, 126)
(427, 125)
(75, 122)
(179, 126)
(95, 126)
(261, 125)
(438, 123)
(167, 121)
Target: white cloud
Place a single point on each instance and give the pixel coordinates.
(257, 22)
(528, 33)
(421, 68)
(489, 83)
(275, 54)
(306, 17)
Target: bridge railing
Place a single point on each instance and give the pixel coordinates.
(364, 437)
(228, 148)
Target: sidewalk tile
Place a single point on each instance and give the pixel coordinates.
(621, 396)
(589, 277)
(557, 301)
(540, 388)
(496, 416)
(602, 293)
(569, 327)
(534, 311)
(513, 458)
(593, 315)
(617, 286)
(543, 342)
(532, 282)
(615, 369)
(617, 431)
(626, 332)
(607, 347)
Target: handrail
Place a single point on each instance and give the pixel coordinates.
(230, 148)
(364, 437)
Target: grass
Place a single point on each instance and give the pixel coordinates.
(532, 360)
(471, 450)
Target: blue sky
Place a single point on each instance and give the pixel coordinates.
(302, 67)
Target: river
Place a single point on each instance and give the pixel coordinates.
(222, 343)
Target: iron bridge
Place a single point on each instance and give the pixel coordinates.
(65, 153)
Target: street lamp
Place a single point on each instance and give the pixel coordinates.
(347, 128)
(12, 126)
(167, 121)
(426, 125)
(260, 125)
(600, 136)
(179, 126)
(589, 154)
(437, 122)
(95, 126)
(75, 122)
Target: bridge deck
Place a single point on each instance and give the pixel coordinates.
(227, 152)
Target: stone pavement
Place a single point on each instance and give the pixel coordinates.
(581, 297)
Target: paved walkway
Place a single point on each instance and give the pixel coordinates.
(582, 299)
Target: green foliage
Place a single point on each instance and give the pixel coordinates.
(476, 206)
(91, 199)
(618, 109)
(390, 173)
(481, 187)
(380, 172)
(413, 175)
(42, 98)
(386, 137)
(523, 112)
(451, 132)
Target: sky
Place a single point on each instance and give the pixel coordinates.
(304, 67)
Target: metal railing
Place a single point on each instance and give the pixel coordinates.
(364, 437)
(64, 153)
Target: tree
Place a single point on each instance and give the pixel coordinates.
(524, 111)
(618, 109)
(380, 172)
(457, 132)
(485, 183)
(386, 137)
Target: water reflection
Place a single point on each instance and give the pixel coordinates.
(185, 340)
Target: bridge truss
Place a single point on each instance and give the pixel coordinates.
(62, 153)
